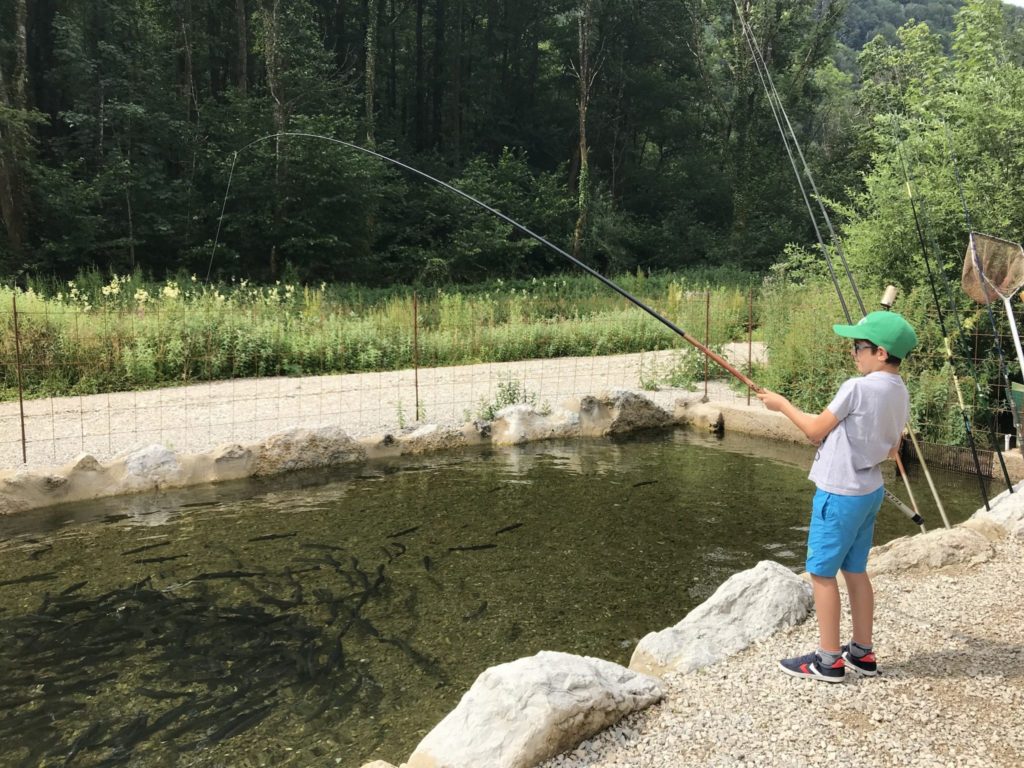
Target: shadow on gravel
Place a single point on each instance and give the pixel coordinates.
(970, 657)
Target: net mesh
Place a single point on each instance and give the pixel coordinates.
(1001, 271)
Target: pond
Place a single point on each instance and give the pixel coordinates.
(333, 618)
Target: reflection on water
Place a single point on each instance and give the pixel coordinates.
(332, 618)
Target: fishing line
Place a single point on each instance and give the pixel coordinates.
(777, 107)
(912, 514)
(788, 135)
(543, 241)
(940, 268)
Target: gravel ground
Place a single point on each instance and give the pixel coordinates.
(951, 692)
(197, 418)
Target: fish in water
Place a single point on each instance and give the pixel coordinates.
(472, 548)
(406, 532)
(508, 528)
(37, 553)
(145, 560)
(73, 588)
(48, 576)
(272, 536)
(644, 482)
(427, 562)
(146, 547)
(227, 575)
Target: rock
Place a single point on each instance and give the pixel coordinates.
(431, 437)
(378, 764)
(700, 416)
(934, 549)
(521, 423)
(619, 411)
(749, 606)
(1006, 509)
(150, 468)
(307, 449)
(231, 452)
(85, 462)
(988, 528)
(518, 714)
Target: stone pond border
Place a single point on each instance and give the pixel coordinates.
(518, 714)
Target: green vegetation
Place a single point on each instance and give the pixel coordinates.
(95, 336)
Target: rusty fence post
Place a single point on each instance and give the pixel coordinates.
(416, 352)
(707, 337)
(21, 386)
(750, 336)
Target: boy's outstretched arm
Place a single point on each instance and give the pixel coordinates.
(815, 427)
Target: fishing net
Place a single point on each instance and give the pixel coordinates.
(1001, 272)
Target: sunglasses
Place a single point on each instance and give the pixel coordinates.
(858, 346)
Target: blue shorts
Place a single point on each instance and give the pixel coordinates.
(841, 531)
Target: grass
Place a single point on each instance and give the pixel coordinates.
(92, 335)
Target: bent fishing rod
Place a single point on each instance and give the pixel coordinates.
(702, 348)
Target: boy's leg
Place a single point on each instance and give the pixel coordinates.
(826, 608)
(862, 606)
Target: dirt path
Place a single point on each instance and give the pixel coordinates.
(196, 418)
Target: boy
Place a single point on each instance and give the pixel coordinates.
(859, 429)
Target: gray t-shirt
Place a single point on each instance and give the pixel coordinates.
(872, 411)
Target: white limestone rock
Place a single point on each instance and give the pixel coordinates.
(151, 468)
(518, 714)
(935, 549)
(749, 606)
(704, 417)
(431, 437)
(521, 423)
(1007, 509)
(307, 449)
(378, 764)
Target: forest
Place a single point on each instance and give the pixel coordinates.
(135, 135)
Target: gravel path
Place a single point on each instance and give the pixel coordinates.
(197, 418)
(951, 692)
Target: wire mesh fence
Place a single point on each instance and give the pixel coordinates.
(106, 380)
(239, 374)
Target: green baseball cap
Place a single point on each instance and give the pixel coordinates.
(883, 329)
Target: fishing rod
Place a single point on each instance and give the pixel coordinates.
(778, 108)
(704, 349)
(712, 355)
(947, 346)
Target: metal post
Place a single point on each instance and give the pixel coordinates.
(750, 336)
(21, 388)
(707, 337)
(416, 351)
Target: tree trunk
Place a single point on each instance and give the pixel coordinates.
(437, 86)
(419, 119)
(13, 143)
(585, 77)
(372, 22)
(280, 114)
(242, 50)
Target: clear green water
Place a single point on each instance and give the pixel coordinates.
(334, 618)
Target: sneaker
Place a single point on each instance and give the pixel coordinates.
(866, 665)
(811, 666)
